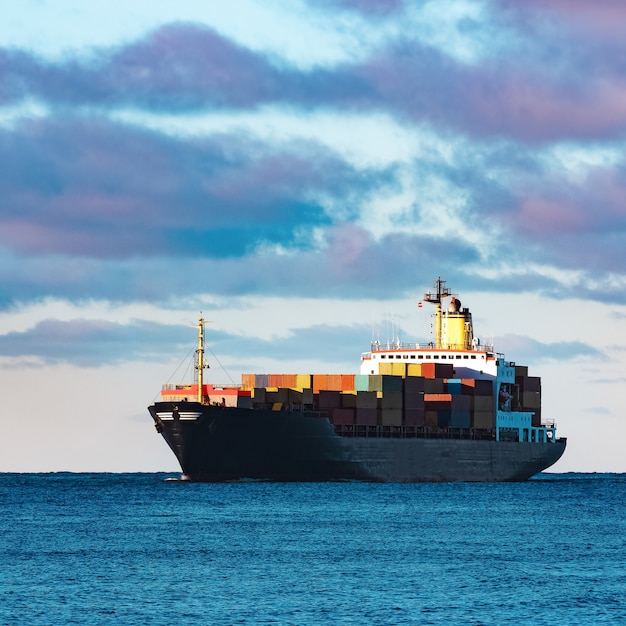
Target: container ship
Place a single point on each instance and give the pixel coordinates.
(451, 409)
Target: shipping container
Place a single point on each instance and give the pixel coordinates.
(362, 382)
(334, 382)
(248, 381)
(483, 403)
(280, 395)
(434, 385)
(290, 380)
(348, 399)
(399, 369)
(414, 384)
(391, 400)
(531, 399)
(276, 380)
(483, 387)
(414, 369)
(529, 383)
(385, 383)
(460, 386)
(461, 403)
(437, 370)
(431, 419)
(347, 382)
(343, 417)
(320, 381)
(414, 401)
(460, 419)
(366, 416)
(391, 417)
(304, 381)
(414, 417)
(261, 380)
(443, 418)
(483, 420)
(328, 399)
(366, 400)
(521, 370)
(385, 369)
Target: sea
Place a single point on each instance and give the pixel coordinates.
(151, 549)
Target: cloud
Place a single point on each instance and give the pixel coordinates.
(188, 67)
(91, 343)
(528, 350)
(91, 188)
(96, 343)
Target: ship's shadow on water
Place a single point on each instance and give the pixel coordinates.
(142, 548)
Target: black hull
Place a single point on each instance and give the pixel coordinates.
(224, 444)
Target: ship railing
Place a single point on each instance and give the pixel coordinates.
(170, 387)
(376, 346)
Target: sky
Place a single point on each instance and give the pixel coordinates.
(301, 171)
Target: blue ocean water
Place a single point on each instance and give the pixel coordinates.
(141, 549)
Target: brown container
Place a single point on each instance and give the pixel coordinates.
(348, 400)
(342, 417)
(483, 388)
(248, 381)
(258, 395)
(414, 401)
(434, 385)
(431, 419)
(281, 395)
(295, 396)
(366, 400)
(414, 384)
(461, 403)
(531, 383)
(391, 400)
(521, 370)
(536, 419)
(483, 419)
(531, 399)
(483, 403)
(414, 417)
(391, 417)
(327, 399)
(366, 417)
